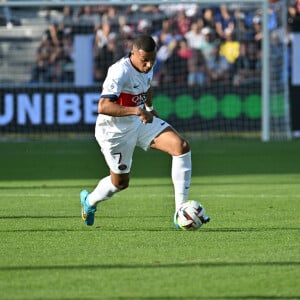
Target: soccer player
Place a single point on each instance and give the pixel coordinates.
(127, 120)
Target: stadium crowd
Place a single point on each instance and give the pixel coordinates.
(197, 46)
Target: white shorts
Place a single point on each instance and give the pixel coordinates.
(118, 139)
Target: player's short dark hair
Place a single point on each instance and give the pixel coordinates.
(145, 43)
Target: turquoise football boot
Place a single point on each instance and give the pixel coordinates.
(87, 211)
(175, 221)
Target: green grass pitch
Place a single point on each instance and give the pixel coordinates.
(249, 250)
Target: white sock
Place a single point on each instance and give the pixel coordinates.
(103, 191)
(181, 177)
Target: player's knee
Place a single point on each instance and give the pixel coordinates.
(122, 184)
(185, 146)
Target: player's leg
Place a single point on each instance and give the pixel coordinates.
(107, 187)
(104, 190)
(118, 156)
(171, 142)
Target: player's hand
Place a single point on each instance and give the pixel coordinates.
(145, 116)
(154, 113)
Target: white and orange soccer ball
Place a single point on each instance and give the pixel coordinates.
(190, 215)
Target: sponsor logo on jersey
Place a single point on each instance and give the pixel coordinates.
(132, 100)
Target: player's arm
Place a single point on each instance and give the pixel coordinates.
(108, 106)
(148, 103)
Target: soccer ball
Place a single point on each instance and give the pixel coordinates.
(190, 216)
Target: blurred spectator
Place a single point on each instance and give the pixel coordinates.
(224, 20)
(294, 8)
(248, 66)
(54, 61)
(257, 30)
(123, 40)
(104, 57)
(184, 50)
(230, 47)
(152, 9)
(241, 30)
(163, 38)
(217, 68)
(175, 67)
(170, 10)
(144, 26)
(106, 49)
(194, 36)
(68, 44)
(196, 65)
(182, 23)
(165, 31)
(125, 30)
(208, 44)
(208, 18)
(101, 36)
(166, 44)
(61, 64)
(41, 70)
(110, 15)
(54, 33)
(196, 68)
(297, 6)
(86, 16)
(67, 18)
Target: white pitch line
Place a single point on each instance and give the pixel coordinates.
(201, 196)
(159, 195)
(249, 196)
(31, 195)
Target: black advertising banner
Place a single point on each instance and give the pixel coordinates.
(53, 109)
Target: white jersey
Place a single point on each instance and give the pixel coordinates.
(127, 86)
(118, 136)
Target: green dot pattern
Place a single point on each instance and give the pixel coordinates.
(230, 106)
(252, 106)
(184, 106)
(208, 107)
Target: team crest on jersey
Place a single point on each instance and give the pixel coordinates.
(111, 87)
(122, 167)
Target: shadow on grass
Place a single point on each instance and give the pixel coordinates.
(104, 228)
(151, 266)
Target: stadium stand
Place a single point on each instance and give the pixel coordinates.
(20, 37)
(113, 30)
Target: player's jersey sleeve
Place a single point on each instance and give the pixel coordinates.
(113, 83)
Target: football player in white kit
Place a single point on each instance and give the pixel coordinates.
(126, 120)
